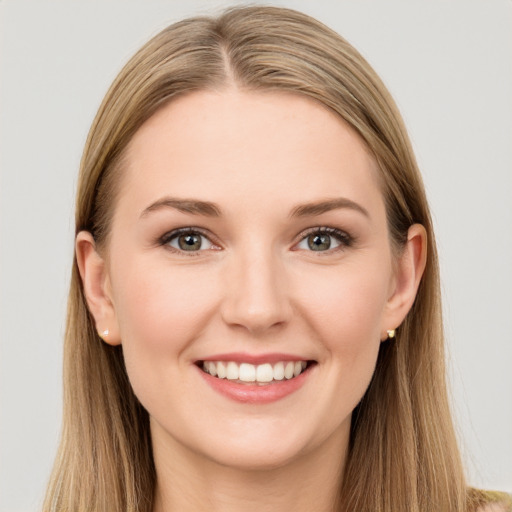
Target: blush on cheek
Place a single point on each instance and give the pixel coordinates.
(349, 309)
(165, 308)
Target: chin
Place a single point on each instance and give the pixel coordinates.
(267, 444)
(256, 456)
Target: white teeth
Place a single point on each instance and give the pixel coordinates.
(279, 371)
(247, 372)
(221, 370)
(288, 370)
(262, 373)
(212, 370)
(232, 372)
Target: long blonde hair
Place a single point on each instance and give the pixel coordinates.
(403, 454)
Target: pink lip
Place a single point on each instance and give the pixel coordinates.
(253, 393)
(241, 357)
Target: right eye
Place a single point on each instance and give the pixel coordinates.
(187, 240)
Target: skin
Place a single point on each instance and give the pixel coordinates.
(255, 287)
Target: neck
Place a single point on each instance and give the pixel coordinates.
(188, 482)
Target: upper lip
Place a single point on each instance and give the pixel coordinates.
(241, 357)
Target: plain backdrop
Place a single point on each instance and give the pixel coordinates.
(449, 67)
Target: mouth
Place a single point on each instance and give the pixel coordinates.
(255, 374)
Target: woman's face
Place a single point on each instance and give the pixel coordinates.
(249, 239)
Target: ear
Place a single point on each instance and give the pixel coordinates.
(409, 270)
(96, 283)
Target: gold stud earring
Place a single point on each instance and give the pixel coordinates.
(391, 333)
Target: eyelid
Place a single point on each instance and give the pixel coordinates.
(174, 233)
(343, 237)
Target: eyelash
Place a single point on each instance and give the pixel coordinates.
(171, 235)
(345, 239)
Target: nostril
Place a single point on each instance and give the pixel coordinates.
(255, 322)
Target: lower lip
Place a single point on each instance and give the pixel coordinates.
(256, 394)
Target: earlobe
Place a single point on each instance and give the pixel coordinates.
(96, 284)
(409, 271)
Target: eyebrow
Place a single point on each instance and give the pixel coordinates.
(192, 206)
(317, 208)
(209, 209)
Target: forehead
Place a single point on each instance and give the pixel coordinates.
(231, 144)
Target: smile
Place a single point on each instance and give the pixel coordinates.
(252, 379)
(260, 374)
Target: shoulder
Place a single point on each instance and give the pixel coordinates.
(492, 501)
(494, 507)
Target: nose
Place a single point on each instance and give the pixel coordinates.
(256, 296)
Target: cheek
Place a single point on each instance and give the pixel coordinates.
(160, 305)
(346, 305)
(340, 310)
(160, 312)
(344, 310)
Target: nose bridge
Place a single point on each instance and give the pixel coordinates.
(256, 295)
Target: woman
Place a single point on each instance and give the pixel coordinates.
(254, 316)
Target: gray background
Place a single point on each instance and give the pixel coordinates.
(449, 66)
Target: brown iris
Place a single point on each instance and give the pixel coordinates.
(189, 242)
(319, 242)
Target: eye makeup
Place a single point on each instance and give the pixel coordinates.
(191, 240)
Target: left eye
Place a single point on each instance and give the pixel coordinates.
(322, 240)
(190, 241)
